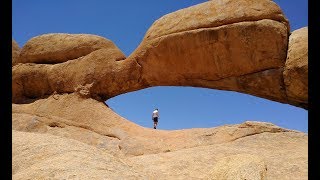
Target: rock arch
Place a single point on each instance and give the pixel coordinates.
(214, 45)
(242, 45)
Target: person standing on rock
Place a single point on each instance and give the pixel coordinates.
(155, 117)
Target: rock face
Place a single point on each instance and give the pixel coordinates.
(71, 116)
(214, 14)
(63, 130)
(200, 46)
(240, 166)
(44, 156)
(101, 72)
(205, 56)
(15, 52)
(283, 154)
(61, 47)
(90, 134)
(216, 45)
(296, 67)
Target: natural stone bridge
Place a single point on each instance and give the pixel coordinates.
(246, 48)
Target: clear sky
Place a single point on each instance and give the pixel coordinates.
(125, 22)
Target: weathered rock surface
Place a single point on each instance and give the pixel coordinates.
(218, 44)
(240, 166)
(74, 117)
(85, 132)
(63, 130)
(44, 156)
(180, 154)
(296, 68)
(100, 74)
(15, 52)
(213, 14)
(242, 52)
(60, 47)
(210, 55)
(284, 154)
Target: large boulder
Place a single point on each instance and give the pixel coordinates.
(97, 71)
(296, 68)
(60, 47)
(15, 52)
(213, 14)
(230, 45)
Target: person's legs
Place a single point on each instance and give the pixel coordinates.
(155, 122)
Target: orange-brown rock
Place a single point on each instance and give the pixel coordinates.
(63, 130)
(15, 52)
(213, 14)
(284, 154)
(101, 72)
(62, 114)
(220, 45)
(60, 47)
(296, 68)
(87, 131)
(206, 57)
(244, 52)
(240, 166)
(45, 156)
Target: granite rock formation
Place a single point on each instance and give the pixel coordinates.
(15, 52)
(86, 131)
(296, 68)
(62, 129)
(206, 46)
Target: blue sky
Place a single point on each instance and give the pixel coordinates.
(125, 22)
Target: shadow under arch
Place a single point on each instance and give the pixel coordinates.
(191, 107)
